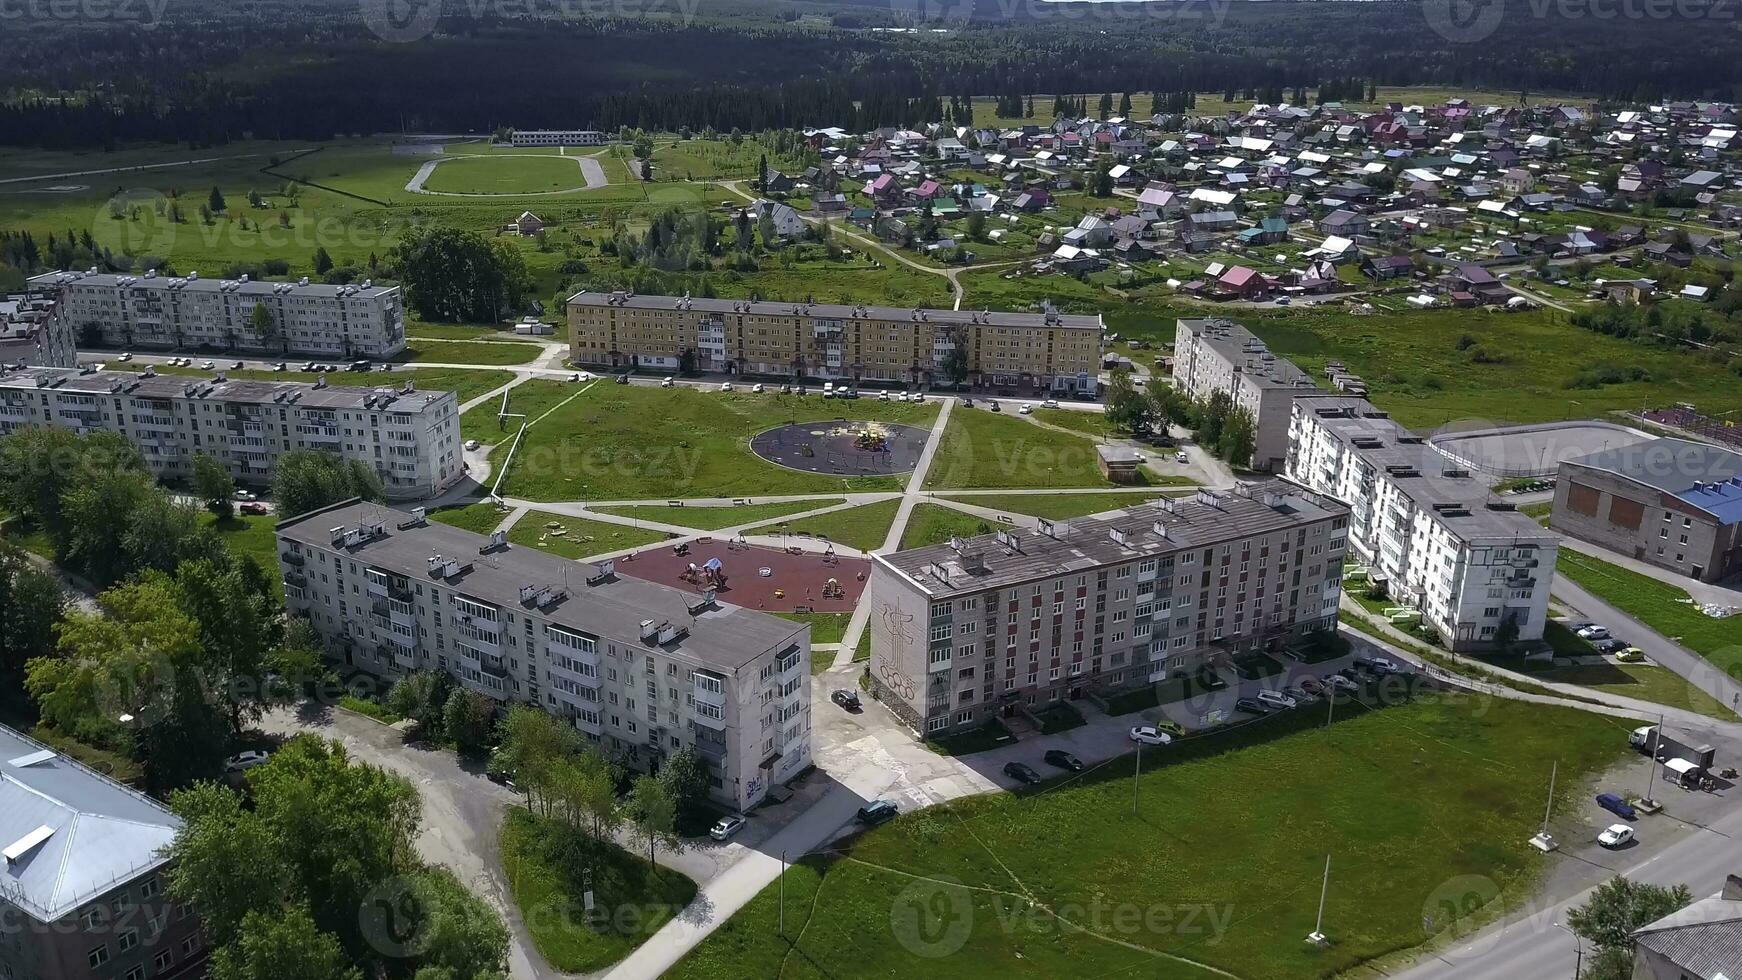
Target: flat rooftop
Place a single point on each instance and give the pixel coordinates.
(1084, 543)
(723, 637)
(1437, 484)
(1705, 476)
(192, 283)
(999, 318)
(245, 391)
(1241, 348)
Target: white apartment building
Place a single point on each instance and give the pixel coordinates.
(981, 628)
(643, 669)
(1431, 532)
(558, 137)
(156, 311)
(1212, 355)
(35, 331)
(411, 438)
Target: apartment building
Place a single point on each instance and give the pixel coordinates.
(985, 627)
(643, 669)
(82, 892)
(558, 137)
(411, 438)
(154, 311)
(1038, 351)
(35, 331)
(1434, 535)
(1671, 502)
(1211, 355)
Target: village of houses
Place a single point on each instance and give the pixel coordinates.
(1453, 204)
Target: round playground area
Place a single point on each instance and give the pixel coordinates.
(841, 447)
(754, 576)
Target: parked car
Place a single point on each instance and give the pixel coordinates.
(623, 379)
(1170, 727)
(758, 389)
(1615, 836)
(237, 365)
(281, 366)
(1313, 687)
(993, 406)
(876, 812)
(243, 761)
(1616, 805)
(725, 386)
(667, 383)
(244, 495)
(1252, 706)
(1025, 410)
(1377, 665)
(1277, 700)
(1593, 632)
(207, 365)
(583, 376)
(845, 698)
(471, 444)
(574, 375)
(1022, 772)
(1338, 682)
(1150, 735)
(1299, 693)
(360, 365)
(1209, 680)
(883, 396)
(254, 507)
(726, 827)
(125, 356)
(1181, 457)
(1063, 759)
(1050, 403)
(1631, 655)
(309, 366)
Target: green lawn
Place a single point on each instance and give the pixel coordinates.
(632, 898)
(469, 352)
(579, 538)
(479, 518)
(946, 892)
(935, 524)
(628, 442)
(418, 330)
(530, 399)
(1057, 506)
(825, 627)
(1663, 608)
(863, 527)
(1092, 424)
(714, 518)
(251, 535)
(982, 450)
(503, 174)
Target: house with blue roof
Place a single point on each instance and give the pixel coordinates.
(1674, 503)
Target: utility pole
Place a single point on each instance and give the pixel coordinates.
(1651, 777)
(1317, 937)
(1544, 841)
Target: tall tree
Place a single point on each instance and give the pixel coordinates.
(306, 480)
(466, 718)
(215, 202)
(1620, 906)
(213, 485)
(31, 603)
(422, 696)
(323, 262)
(455, 276)
(654, 814)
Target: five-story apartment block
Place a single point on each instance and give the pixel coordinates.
(35, 331)
(980, 628)
(154, 311)
(1220, 355)
(643, 669)
(1044, 351)
(1435, 537)
(410, 438)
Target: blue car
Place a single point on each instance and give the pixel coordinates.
(1616, 805)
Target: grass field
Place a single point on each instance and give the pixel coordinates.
(863, 527)
(529, 398)
(825, 627)
(1057, 506)
(251, 535)
(1092, 424)
(469, 352)
(417, 330)
(981, 450)
(580, 538)
(714, 518)
(501, 173)
(1663, 608)
(632, 898)
(480, 518)
(947, 892)
(628, 442)
(935, 524)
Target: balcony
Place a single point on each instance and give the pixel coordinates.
(292, 558)
(703, 715)
(494, 666)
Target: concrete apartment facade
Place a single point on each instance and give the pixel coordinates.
(35, 331)
(82, 893)
(982, 628)
(165, 312)
(1037, 351)
(411, 438)
(1431, 531)
(642, 669)
(1671, 502)
(1211, 355)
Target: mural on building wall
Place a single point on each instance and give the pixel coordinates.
(902, 637)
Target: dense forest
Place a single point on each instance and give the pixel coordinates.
(207, 73)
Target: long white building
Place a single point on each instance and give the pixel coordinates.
(411, 438)
(1432, 533)
(154, 311)
(1211, 355)
(558, 137)
(642, 669)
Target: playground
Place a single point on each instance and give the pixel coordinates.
(843, 448)
(753, 576)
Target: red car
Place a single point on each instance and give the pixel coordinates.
(253, 507)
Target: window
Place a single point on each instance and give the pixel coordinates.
(97, 957)
(128, 940)
(148, 888)
(137, 973)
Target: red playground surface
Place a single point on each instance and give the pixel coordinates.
(794, 581)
